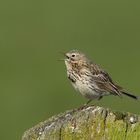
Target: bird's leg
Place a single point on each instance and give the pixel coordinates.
(88, 102)
(84, 105)
(98, 99)
(91, 100)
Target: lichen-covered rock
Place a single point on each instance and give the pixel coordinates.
(87, 123)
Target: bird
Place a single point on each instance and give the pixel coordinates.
(89, 79)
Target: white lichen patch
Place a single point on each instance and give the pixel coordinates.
(132, 119)
(99, 128)
(40, 133)
(67, 115)
(72, 129)
(88, 108)
(49, 126)
(111, 114)
(96, 109)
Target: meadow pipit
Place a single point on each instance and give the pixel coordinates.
(89, 79)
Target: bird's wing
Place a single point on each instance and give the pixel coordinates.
(104, 81)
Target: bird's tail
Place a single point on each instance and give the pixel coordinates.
(130, 95)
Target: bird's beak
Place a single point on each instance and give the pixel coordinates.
(66, 56)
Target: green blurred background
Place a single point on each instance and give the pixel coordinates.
(32, 33)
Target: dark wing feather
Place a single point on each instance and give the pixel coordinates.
(104, 81)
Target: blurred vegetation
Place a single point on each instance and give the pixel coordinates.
(32, 33)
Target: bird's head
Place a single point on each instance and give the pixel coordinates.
(74, 57)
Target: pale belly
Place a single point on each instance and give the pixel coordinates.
(85, 90)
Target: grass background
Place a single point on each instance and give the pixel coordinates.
(32, 33)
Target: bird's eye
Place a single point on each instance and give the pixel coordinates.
(73, 55)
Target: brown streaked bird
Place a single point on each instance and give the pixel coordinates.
(89, 79)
